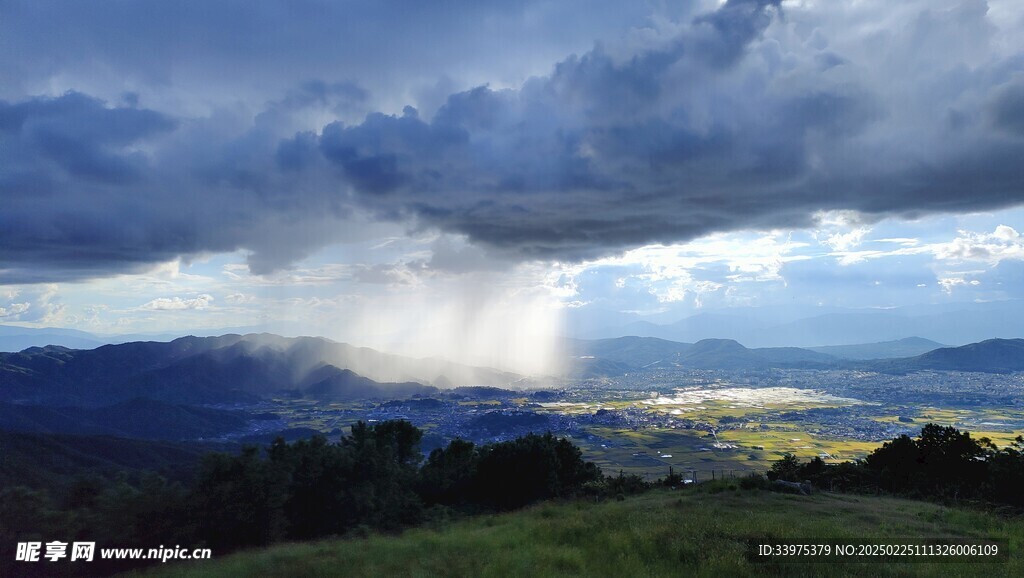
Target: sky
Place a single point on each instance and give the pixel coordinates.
(460, 178)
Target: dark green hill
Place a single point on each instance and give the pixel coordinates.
(991, 356)
(721, 354)
(51, 461)
(344, 384)
(629, 351)
(483, 392)
(210, 378)
(591, 367)
(137, 418)
(710, 530)
(496, 422)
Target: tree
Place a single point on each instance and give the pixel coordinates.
(952, 463)
(317, 476)
(672, 480)
(447, 476)
(1006, 474)
(239, 500)
(787, 468)
(530, 468)
(896, 464)
(384, 476)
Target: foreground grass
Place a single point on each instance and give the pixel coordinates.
(704, 531)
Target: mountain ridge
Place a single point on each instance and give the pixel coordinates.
(995, 355)
(210, 370)
(906, 347)
(950, 323)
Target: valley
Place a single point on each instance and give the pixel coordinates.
(636, 405)
(145, 429)
(698, 421)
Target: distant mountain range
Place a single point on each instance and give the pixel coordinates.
(952, 323)
(13, 338)
(82, 389)
(229, 369)
(819, 329)
(610, 357)
(225, 369)
(907, 347)
(162, 390)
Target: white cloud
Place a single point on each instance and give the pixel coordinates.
(40, 305)
(52, 311)
(240, 299)
(676, 273)
(948, 283)
(848, 240)
(904, 241)
(991, 248)
(172, 270)
(1003, 243)
(177, 303)
(840, 230)
(758, 258)
(14, 309)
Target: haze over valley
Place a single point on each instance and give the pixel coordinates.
(661, 398)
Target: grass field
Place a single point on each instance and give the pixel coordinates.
(708, 530)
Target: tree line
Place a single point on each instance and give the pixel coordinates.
(373, 479)
(941, 463)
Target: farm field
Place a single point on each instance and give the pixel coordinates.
(699, 430)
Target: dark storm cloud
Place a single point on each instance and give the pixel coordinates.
(1008, 107)
(248, 50)
(78, 135)
(735, 24)
(61, 157)
(702, 134)
(91, 190)
(743, 117)
(602, 154)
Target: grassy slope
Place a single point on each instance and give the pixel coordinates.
(703, 532)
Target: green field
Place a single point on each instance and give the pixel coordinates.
(649, 452)
(755, 427)
(708, 530)
(1000, 425)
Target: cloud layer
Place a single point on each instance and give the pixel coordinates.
(751, 115)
